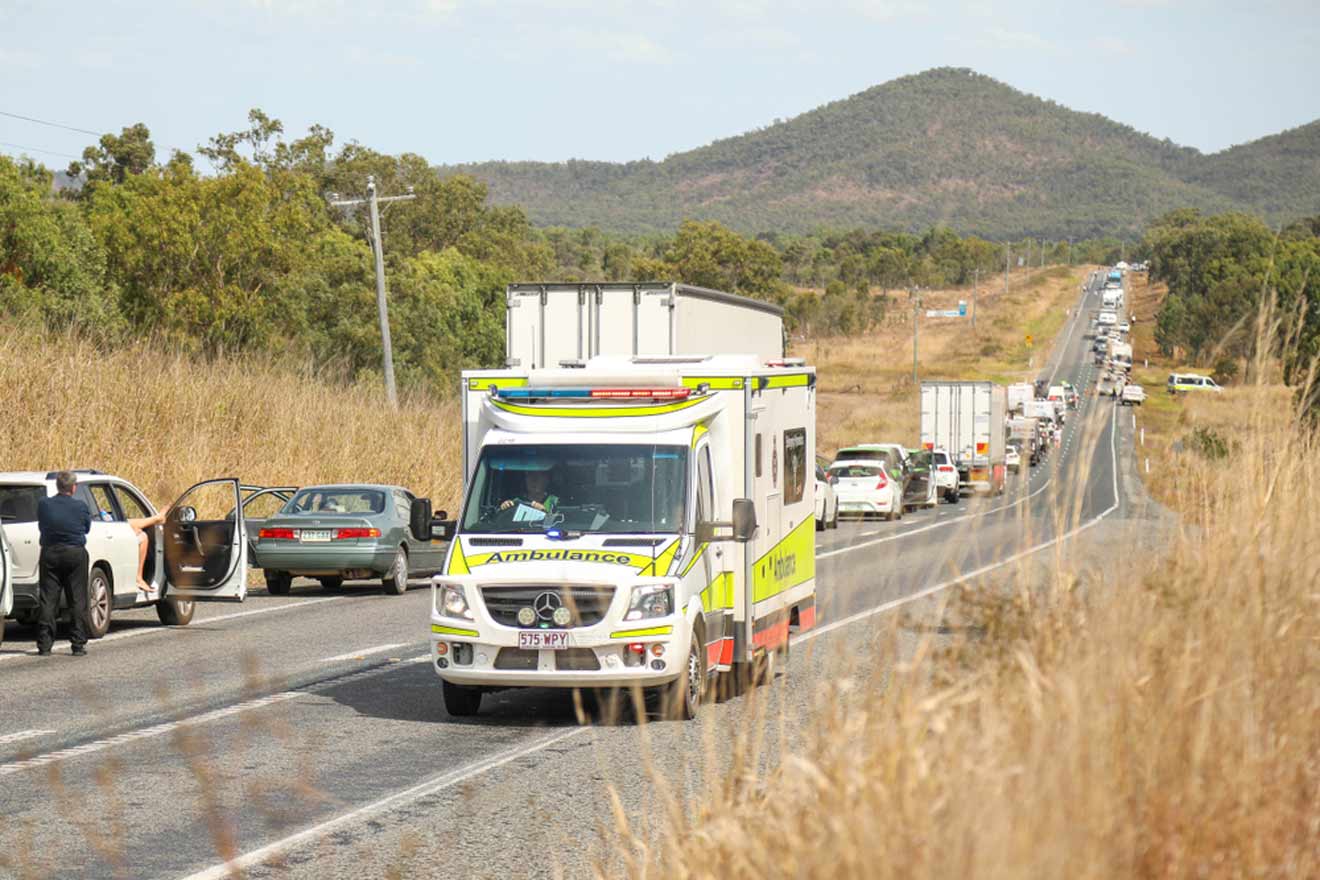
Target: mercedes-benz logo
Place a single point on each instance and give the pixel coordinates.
(545, 605)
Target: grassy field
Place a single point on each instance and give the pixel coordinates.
(1151, 717)
(866, 388)
(165, 421)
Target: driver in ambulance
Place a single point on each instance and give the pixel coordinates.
(536, 493)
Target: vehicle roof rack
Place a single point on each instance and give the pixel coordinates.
(90, 471)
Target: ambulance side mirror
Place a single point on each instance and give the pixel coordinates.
(744, 519)
(419, 519)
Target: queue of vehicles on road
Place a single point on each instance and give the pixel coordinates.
(636, 511)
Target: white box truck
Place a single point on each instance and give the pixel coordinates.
(969, 420)
(1120, 355)
(1019, 394)
(632, 521)
(547, 325)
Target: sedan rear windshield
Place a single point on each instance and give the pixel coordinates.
(856, 470)
(18, 504)
(327, 501)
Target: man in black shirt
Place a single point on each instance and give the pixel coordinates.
(64, 522)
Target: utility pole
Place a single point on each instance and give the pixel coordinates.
(1006, 258)
(976, 282)
(916, 323)
(378, 251)
(1070, 250)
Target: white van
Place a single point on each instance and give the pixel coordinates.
(1107, 318)
(1191, 382)
(637, 521)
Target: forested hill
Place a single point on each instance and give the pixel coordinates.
(945, 146)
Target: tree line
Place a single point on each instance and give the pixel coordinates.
(252, 257)
(1220, 269)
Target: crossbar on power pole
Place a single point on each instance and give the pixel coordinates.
(378, 253)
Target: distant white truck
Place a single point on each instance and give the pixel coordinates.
(1019, 394)
(553, 325)
(968, 420)
(1112, 298)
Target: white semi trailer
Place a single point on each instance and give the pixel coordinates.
(968, 419)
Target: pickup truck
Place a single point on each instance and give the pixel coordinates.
(1133, 395)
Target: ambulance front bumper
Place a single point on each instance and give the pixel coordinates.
(644, 653)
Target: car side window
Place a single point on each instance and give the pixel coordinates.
(106, 509)
(130, 504)
(402, 506)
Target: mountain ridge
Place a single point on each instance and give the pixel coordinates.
(946, 146)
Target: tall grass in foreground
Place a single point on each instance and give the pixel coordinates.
(1166, 725)
(166, 421)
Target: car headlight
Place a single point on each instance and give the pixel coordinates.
(451, 601)
(650, 600)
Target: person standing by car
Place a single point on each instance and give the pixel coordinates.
(63, 522)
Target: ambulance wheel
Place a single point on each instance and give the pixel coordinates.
(461, 702)
(683, 701)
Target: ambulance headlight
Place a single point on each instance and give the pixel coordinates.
(451, 601)
(650, 600)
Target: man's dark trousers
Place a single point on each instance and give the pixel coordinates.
(63, 567)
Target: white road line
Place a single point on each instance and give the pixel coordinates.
(163, 728)
(447, 780)
(435, 784)
(363, 652)
(201, 621)
(21, 735)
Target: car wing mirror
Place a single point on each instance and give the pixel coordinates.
(419, 519)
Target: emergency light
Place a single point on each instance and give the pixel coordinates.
(594, 393)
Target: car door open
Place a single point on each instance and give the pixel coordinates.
(206, 544)
(6, 581)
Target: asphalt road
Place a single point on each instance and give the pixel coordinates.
(305, 736)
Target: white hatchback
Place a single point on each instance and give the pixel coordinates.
(199, 553)
(865, 488)
(946, 475)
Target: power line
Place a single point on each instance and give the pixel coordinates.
(37, 150)
(51, 124)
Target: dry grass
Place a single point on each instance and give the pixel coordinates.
(866, 389)
(165, 421)
(1166, 724)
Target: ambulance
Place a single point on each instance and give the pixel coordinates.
(629, 520)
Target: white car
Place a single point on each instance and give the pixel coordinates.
(827, 501)
(865, 488)
(945, 476)
(199, 553)
(1125, 327)
(1012, 458)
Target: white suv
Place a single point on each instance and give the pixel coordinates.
(199, 553)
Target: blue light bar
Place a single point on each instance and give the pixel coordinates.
(528, 393)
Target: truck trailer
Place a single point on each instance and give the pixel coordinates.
(968, 420)
(640, 520)
(547, 325)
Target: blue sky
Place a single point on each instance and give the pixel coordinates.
(467, 80)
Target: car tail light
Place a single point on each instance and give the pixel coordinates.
(347, 534)
(277, 534)
(883, 482)
(946, 468)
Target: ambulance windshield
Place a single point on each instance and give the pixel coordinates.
(589, 487)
